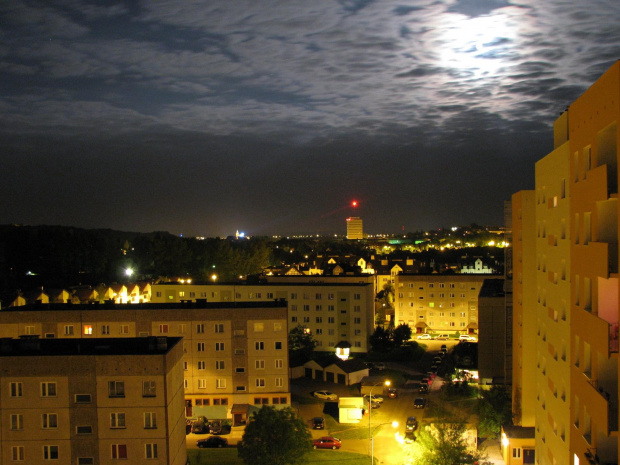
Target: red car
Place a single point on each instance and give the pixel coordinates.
(326, 442)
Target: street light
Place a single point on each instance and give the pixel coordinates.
(372, 439)
(386, 383)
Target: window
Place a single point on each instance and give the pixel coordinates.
(163, 329)
(48, 389)
(220, 401)
(259, 364)
(318, 331)
(82, 398)
(306, 308)
(119, 451)
(116, 389)
(17, 421)
(260, 382)
(17, 453)
(149, 389)
(319, 319)
(293, 319)
(88, 329)
(86, 429)
(331, 319)
(516, 453)
(318, 308)
(105, 330)
(150, 451)
(50, 452)
(277, 326)
(279, 382)
(182, 328)
(202, 383)
(124, 329)
(293, 295)
(259, 345)
(330, 296)
(357, 321)
(117, 420)
(200, 347)
(49, 421)
(220, 365)
(306, 319)
(240, 370)
(260, 400)
(259, 327)
(358, 332)
(279, 363)
(185, 365)
(202, 365)
(220, 384)
(219, 327)
(16, 389)
(86, 460)
(68, 330)
(330, 308)
(239, 351)
(357, 308)
(150, 420)
(270, 295)
(200, 328)
(278, 345)
(219, 346)
(357, 296)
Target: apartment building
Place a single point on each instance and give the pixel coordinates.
(438, 303)
(235, 354)
(334, 310)
(569, 290)
(355, 228)
(92, 401)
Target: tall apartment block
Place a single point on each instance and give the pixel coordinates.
(234, 355)
(565, 236)
(92, 402)
(355, 228)
(334, 310)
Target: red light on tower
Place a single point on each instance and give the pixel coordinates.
(354, 203)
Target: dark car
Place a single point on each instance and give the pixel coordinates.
(392, 393)
(212, 441)
(318, 423)
(411, 425)
(423, 388)
(326, 442)
(419, 402)
(201, 426)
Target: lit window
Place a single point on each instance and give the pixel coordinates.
(88, 329)
(259, 327)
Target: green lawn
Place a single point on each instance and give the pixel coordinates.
(315, 457)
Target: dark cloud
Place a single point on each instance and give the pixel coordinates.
(207, 117)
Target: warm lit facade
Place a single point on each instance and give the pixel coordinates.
(93, 401)
(233, 353)
(572, 288)
(438, 303)
(355, 228)
(334, 309)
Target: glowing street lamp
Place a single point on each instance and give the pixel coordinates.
(128, 272)
(372, 439)
(386, 383)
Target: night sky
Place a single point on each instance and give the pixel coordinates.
(269, 116)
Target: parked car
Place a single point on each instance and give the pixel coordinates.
(380, 366)
(444, 348)
(217, 427)
(373, 398)
(325, 395)
(411, 425)
(318, 423)
(424, 336)
(437, 360)
(392, 393)
(419, 402)
(200, 426)
(327, 442)
(467, 337)
(423, 388)
(442, 337)
(212, 441)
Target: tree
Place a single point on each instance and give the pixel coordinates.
(401, 334)
(300, 341)
(494, 410)
(443, 443)
(275, 437)
(380, 340)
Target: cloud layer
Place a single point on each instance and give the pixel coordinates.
(207, 117)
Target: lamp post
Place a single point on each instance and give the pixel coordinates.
(372, 439)
(386, 383)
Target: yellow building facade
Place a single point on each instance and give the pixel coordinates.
(93, 401)
(569, 293)
(233, 353)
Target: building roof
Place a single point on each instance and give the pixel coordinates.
(492, 288)
(520, 432)
(29, 346)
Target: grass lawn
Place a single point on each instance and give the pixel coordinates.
(316, 457)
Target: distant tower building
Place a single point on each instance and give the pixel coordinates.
(355, 229)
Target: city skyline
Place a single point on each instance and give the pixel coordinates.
(270, 117)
